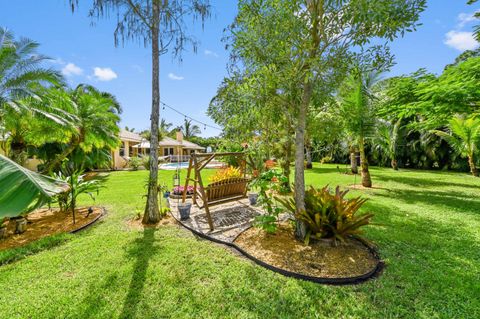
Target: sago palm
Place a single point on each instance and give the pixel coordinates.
(464, 137)
(98, 116)
(21, 72)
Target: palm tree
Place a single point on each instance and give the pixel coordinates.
(356, 99)
(98, 116)
(387, 140)
(21, 72)
(464, 137)
(188, 129)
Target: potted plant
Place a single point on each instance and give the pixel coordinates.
(184, 210)
(252, 198)
(3, 228)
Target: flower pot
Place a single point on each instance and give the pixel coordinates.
(20, 225)
(184, 210)
(253, 198)
(3, 232)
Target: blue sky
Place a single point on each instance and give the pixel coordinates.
(86, 53)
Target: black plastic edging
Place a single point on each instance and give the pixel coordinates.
(103, 213)
(320, 280)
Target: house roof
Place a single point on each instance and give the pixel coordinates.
(129, 136)
(165, 142)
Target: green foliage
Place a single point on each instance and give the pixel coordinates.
(78, 185)
(329, 216)
(22, 190)
(135, 162)
(268, 184)
(146, 162)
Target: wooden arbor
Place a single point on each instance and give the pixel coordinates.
(223, 191)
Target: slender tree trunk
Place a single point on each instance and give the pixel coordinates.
(286, 162)
(300, 231)
(366, 179)
(394, 164)
(353, 160)
(152, 214)
(309, 156)
(471, 163)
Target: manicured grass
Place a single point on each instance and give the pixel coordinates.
(427, 230)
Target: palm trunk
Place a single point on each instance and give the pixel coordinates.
(353, 161)
(471, 163)
(309, 156)
(152, 214)
(300, 231)
(394, 164)
(59, 159)
(366, 179)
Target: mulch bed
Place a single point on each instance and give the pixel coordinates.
(319, 259)
(46, 222)
(136, 223)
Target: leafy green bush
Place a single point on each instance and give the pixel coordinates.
(329, 215)
(134, 163)
(268, 184)
(146, 162)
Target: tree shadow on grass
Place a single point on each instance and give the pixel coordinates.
(143, 250)
(421, 181)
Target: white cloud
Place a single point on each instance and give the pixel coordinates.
(175, 77)
(104, 74)
(71, 69)
(465, 18)
(209, 52)
(461, 40)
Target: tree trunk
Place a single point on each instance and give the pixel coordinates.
(471, 163)
(366, 179)
(309, 156)
(394, 164)
(286, 162)
(59, 159)
(353, 160)
(300, 231)
(152, 214)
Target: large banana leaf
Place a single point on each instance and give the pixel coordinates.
(22, 190)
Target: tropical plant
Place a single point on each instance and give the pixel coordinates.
(464, 138)
(386, 140)
(23, 191)
(226, 173)
(78, 185)
(328, 215)
(160, 23)
(269, 183)
(356, 104)
(188, 129)
(21, 72)
(134, 163)
(98, 115)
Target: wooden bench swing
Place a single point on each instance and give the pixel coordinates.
(223, 191)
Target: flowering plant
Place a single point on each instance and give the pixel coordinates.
(226, 173)
(178, 190)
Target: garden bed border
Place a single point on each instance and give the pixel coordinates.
(374, 273)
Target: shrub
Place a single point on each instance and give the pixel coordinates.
(268, 184)
(329, 215)
(326, 159)
(226, 173)
(134, 163)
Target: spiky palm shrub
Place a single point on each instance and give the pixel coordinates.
(463, 137)
(386, 140)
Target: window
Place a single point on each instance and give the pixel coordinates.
(122, 149)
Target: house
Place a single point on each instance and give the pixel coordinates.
(169, 149)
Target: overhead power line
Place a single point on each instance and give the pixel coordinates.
(205, 125)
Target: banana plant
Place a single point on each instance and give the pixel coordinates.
(22, 191)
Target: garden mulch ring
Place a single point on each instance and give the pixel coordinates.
(319, 259)
(47, 222)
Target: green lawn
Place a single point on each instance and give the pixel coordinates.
(428, 232)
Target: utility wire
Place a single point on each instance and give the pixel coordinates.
(205, 125)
